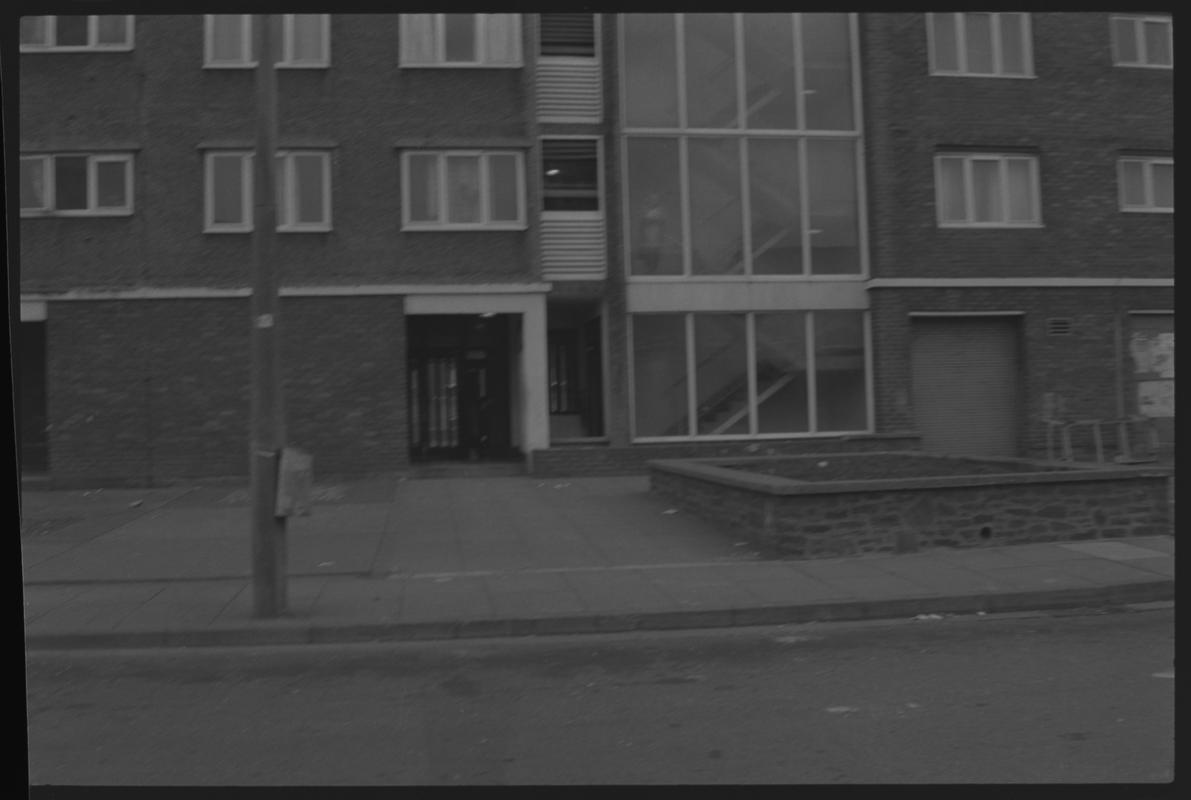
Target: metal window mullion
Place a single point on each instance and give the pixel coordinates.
(799, 73)
(443, 205)
(804, 207)
(692, 406)
(812, 399)
(680, 73)
(522, 187)
(746, 208)
(51, 181)
(685, 206)
(750, 349)
(325, 160)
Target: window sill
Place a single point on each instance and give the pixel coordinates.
(1168, 67)
(250, 229)
(989, 226)
(1147, 210)
(253, 65)
(27, 48)
(47, 214)
(1010, 76)
(462, 66)
(408, 228)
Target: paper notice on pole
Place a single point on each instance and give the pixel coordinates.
(295, 481)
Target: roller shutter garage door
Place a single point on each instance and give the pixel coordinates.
(966, 384)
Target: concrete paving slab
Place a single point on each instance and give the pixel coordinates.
(1163, 544)
(366, 599)
(1038, 577)
(702, 588)
(1107, 573)
(532, 594)
(445, 599)
(940, 575)
(617, 591)
(1159, 565)
(1042, 553)
(1114, 550)
(976, 557)
(877, 587)
(786, 584)
(170, 524)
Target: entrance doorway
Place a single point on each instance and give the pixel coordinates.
(459, 386)
(575, 370)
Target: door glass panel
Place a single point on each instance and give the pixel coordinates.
(827, 80)
(655, 206)
(840, 387)
(775, 207)
(710, 71)
(721, 374)
(717, 238)
(833, 205)
(659, 375)
(650, 71)
(781, 372)
(771, 92)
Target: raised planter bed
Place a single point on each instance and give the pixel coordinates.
(840, 504)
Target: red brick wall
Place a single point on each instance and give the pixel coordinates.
(1077, 115)
(159, 98)
(1081, 366)
(145, 392)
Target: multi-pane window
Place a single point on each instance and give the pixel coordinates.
(77, 184)
(303, 191)
(744, 374)
(302, 40)
(980, 44)
(567, 35)
(742, 144)
(570, 175)
(1142, 41)
(1146, 184)
(460, 40)
(477, 189)
(82, 32)
(987, 190)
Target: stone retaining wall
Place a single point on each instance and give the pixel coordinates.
(846, 518)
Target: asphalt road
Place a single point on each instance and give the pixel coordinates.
(1073, 698)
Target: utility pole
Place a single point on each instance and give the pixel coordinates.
(268, 429)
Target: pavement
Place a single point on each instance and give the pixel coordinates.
(393, 558)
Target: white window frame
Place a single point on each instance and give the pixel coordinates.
(751, 360)
(93, 43)
(1138, 23)
(961, 45)
(246, 192)
(438, 44)
(443, 198)
(1002, 159)
(285, 47)
(577, 215)
(285, 199)
(93, 208)
(1147, 168)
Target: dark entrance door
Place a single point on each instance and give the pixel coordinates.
(459, 387)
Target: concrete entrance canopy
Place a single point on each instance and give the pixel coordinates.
(532, 419)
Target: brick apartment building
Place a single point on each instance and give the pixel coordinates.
(580, 241)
